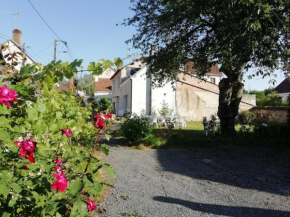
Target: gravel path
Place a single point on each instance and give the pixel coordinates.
(240, 182)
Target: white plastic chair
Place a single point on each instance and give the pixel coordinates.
(154, 121)
(162, 121)
(181, 122)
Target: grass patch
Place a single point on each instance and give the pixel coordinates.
(192, 136)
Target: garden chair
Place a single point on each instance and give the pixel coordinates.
(162, 121)
(181, 122)
(154, 121)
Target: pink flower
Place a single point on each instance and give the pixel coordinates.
(7, 95)
(108, 116)
(67, 132)
(58, 159)
(27, 148)
(100, 123)
(60, 184)
(158, 134)
(58, 169)
(164, 134)
(97, 116)
(91, 204)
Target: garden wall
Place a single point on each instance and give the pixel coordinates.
(273, 114)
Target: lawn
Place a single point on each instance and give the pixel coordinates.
(192, 136)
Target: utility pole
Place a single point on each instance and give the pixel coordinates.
(55, 45)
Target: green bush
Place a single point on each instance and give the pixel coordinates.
(104, 105)
(246, 118)
(135, 128)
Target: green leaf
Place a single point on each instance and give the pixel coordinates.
(4, 190)
(6, 214)
(105, 149)
(54, 128)
(51, 208)
(98, 187)
(33, 166)
(16, 187)
(82, 208)
(110, 171)
(4, 121)
(76, 187)
(4, 136)
(12, 202)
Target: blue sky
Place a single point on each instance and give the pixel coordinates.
(88, 26)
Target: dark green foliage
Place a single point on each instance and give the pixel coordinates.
(246, 117)
(104, 104)
(135, 128)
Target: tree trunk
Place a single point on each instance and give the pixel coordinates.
(231, 93)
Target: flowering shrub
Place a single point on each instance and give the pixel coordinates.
(44, 169)
(7, 96)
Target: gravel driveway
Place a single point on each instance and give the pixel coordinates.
(240, 182)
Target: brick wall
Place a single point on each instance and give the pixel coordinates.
(273, 114)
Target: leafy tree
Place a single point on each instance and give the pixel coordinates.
(236, 35)
(87, 84)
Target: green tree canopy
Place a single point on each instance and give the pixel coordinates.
(236, 35)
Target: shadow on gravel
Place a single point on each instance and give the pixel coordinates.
(263, 169)
(224, 210)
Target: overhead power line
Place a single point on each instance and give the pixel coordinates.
(51, 29)
(44, 20)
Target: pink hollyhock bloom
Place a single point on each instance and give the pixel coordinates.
(58, 169)
(27, 148)
(91, 204)
(7, 95)
(97, 116)
(67, 132)
(100, 123)
(58, 159)
(60, 184)
(108, 116)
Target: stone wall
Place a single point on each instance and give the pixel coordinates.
(196, 99)
(273, 114)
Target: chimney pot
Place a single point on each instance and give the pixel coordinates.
(17, 36)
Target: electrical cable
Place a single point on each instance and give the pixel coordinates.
(41, 51)
(51, 29)
(37, 54)
(44, 20)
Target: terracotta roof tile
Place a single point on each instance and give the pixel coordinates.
(214, 69)
(103, 84)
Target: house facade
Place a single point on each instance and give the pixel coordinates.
(103, 85)
(10, 47)
(188, 96)
(283, 89)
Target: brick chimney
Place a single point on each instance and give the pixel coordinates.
(17, 36)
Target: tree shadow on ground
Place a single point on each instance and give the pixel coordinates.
(263, 169)
(224, 210)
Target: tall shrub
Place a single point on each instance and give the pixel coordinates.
(44, 172)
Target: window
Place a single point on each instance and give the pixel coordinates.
(212, 80)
